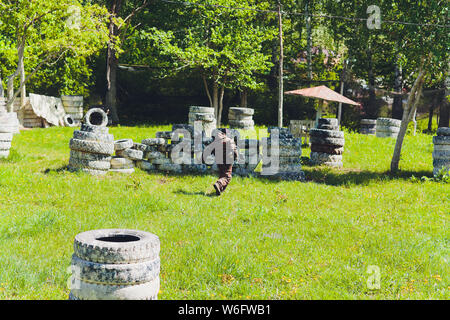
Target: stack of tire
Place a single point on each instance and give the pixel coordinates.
(249, 157)
(73, 105)
(92, 147)
(158, 155)
(441, 152)
(327, 143)
(368, 126)
(30, 119)
(115, 264)
(8, 126)
(191, 145)
(282, 160)
(241, 118)
(388, 128)
(127, 155)
(205, 116)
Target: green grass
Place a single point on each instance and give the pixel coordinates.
(260, 240)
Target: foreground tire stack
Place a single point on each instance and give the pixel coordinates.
(205, 116)
(289, 150)
(327, 143)
(115, 264)
(441, 152)
(368, 126)
(92, 147)
(8, 126)
(388, 128)
(73, 105)
(241, 118)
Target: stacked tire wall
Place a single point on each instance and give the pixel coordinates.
(289, 150)
(249, 157)
(115, 264)
(92, 147)
(8, 126)
(241, 118)
(368, 126)
(327, 143)
(73, 105)
(441, 151)
(387, 127)
(205, 116)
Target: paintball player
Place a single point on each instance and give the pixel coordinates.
(225, 152)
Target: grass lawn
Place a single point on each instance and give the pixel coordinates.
(260, 240)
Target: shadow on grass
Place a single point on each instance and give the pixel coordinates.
(199, 193)
(57, 170)
(339, 177)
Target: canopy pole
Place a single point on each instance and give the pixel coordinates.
(319, 113)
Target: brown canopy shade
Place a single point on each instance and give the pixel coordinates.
(322, 92)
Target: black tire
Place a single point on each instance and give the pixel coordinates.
(327, 149)
(90, 136)
(106, 148)
(123, 144)
(97, 117)
(443, 131)
(441, 140)
(338, 142)
(95, 129)
(321, 133)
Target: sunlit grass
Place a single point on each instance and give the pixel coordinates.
(260, 240)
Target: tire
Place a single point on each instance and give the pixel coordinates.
(95, 129)
(154, 141)
(106, 148)
(328, 121)
(320, 157)
(441, 147)
(195, 168)
(239, 118)
(96, 116)
(90, 136)
(145, 165)
(7, 137)
(92, 291)
(87, 246)
(164, 135)
(388, 122)
(443, 131)
(327, 149)
(370, 122)
(437, 170)
(286, 152)
(117, 274)
(5, 145)
(89, 164)
(69, 121)
(155, 155)
(132, 154)
(441, 140)
(289, 160)
(161, 161)
(368, 131)
(205, 117)
(441, 155)
(196, 109)
(388, 129)
(282, 168)
(241, 123)
(321, 133)
(140, 146)
(381, 134)
(121, 163)
(441, 163)
(241, 111)
(170, 167)
(122, 144)
(89, 156)
(339, 142)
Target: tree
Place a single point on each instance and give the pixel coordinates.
(44, 32)
(225, 46)
(425, 46)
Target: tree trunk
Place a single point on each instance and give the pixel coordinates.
(2, 93)
(205, 83)
(280, 75)
(244, 94)
(112, 64)
(10, 82)
(408, 113)
(219, 115)
(397, 106)
(215, 99)
(23, 90)
(372, 109)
